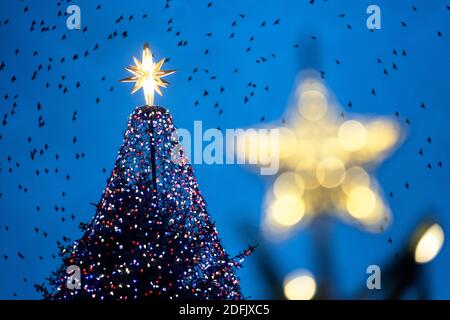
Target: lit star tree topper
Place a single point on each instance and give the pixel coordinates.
(148, 75)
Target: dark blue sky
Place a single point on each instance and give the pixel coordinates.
(234, 194)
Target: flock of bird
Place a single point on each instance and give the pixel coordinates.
(10, 103)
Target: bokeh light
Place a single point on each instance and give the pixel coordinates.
(355, 177)
(429, 244)
(313, 105)
(288, 183)
(361, 202)
(352, 135)
(330, 172)
(300, 285)
(287, 210)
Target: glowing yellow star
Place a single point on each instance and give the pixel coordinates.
(147, 75)
(325, 160)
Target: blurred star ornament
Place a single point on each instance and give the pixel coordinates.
(325, 162)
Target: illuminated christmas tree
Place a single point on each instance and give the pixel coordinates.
(152, 236)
